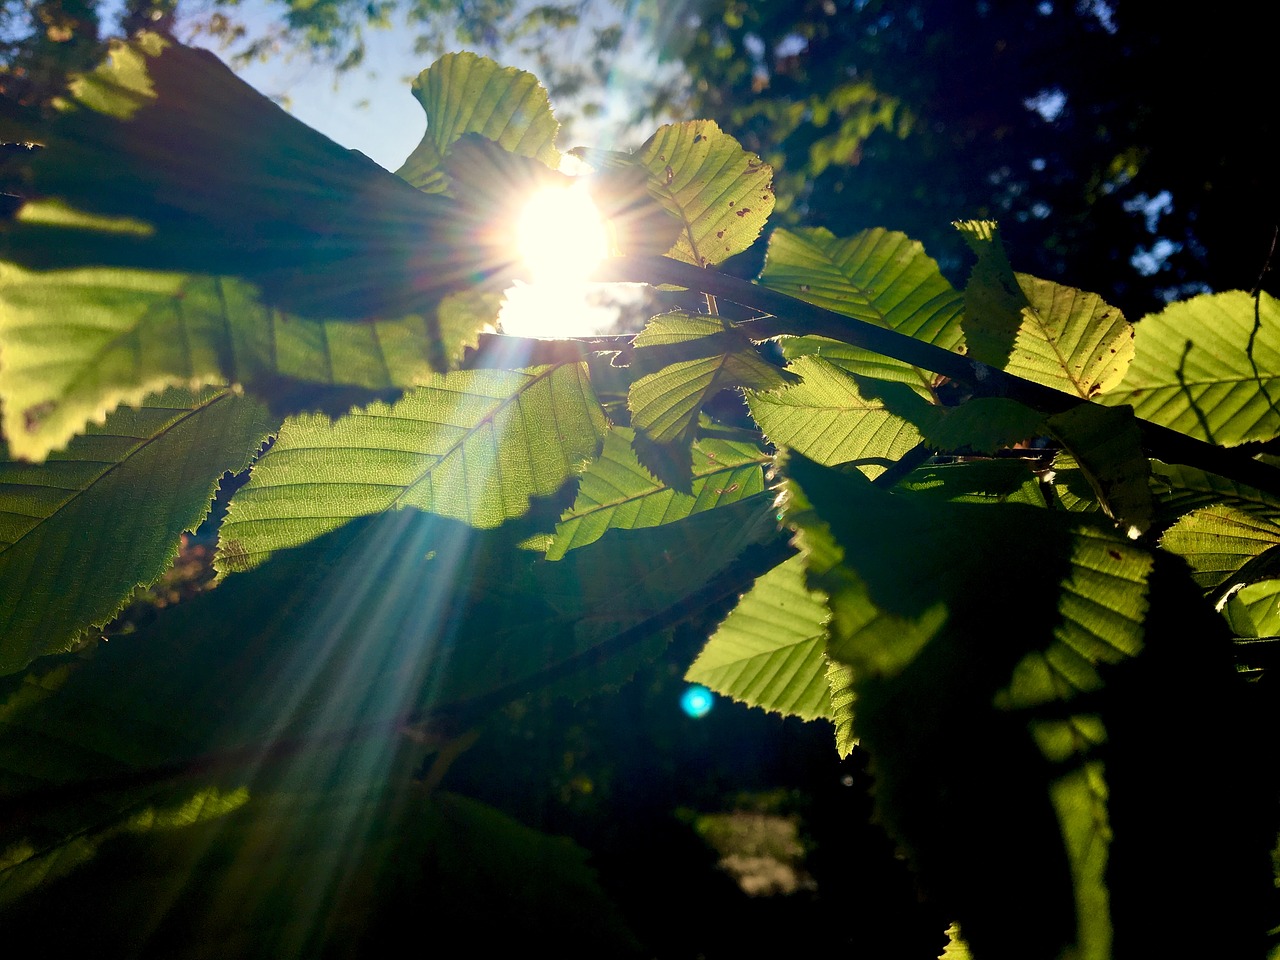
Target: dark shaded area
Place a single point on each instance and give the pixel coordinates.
(622, 774)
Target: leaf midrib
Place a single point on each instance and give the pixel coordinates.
(488, 418)
(655, 491)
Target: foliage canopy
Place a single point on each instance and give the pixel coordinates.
(1018, 550)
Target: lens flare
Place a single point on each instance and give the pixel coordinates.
(697, 701)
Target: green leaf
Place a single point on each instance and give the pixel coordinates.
(463, 93)
(1070, 340)
(189, 231)
(956, 948)
(1179, 489)
(912, 583)
(24, 868)
(79, 343)
(983, 424)
(1254, 609)
(721, 193)
(843, 704)
(1225, 546)
(1039, 330)
(76, 536)
(474, 445)
(828, 419)
(993, 301)
(616, 492)
(769, 651)
(1208, 367)
(1107, 448)
(163, 159)
(665, 404)
(878, 276)
(347, 864)
(977, 481)
(390, 617)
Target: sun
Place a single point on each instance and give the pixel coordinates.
(560, 238)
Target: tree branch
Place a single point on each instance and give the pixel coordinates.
(787, 315)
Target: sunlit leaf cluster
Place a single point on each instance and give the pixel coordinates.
(1022, 553)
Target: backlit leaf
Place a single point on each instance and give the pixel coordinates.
(185, 230)
(665, 403)
(463, 93)
(843, 704)
(345, 862)
(163, 159)
(1254, 609)
(982, 424)
(1225, 545)
(878, 276)
(1180, 489)
(770, 651)
(828, 419)
(977, 481)
(76, 533)
(1209, 367)
(722, 194)
(616, 492)
(78, 343)
(473, 445)
(993, 300)
(1039, 330)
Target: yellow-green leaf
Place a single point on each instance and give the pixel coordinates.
(692, 358)
(828, 419)
(616, 492)
(1225, 545)
(473, 445)
(770, 651)
(1107, 447)
(464, 93)
(878, 276)
(1039, 330)
(1209, 367)
(78, 343)
(721, 193)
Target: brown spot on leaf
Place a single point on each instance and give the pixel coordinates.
(1114, 554)
(232, 556)
(744, 211)
(32, 417)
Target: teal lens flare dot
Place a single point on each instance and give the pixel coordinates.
(697, 701)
